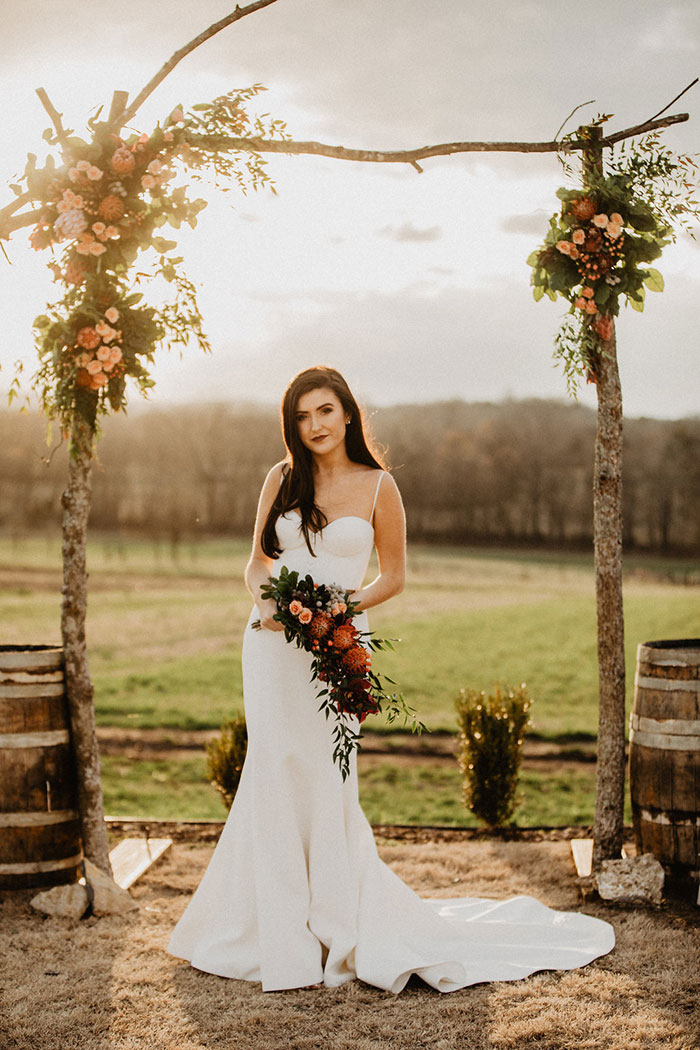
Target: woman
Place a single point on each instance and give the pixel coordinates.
(295, 894)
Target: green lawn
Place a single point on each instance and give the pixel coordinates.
(164, 639)
(164, 635)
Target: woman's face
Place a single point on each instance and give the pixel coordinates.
(320, 420)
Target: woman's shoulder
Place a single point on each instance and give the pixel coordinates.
(277, 472)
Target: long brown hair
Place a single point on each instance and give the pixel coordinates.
(296, 491)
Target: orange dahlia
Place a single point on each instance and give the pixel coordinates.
(320, 625)
(356, 660)
(88, 338)
(583, 208)
(344, 636)
(111, 208)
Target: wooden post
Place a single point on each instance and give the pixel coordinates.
(607, 532)
(79, 688)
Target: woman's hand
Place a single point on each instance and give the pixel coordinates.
(267, 609)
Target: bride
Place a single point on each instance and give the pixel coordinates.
(295, 894)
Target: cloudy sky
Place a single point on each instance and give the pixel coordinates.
(415, 286)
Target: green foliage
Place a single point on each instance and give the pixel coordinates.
(491, 727)
(103, 202)
(225, 758)
(597, 250)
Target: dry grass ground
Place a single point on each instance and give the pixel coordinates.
(108, 984)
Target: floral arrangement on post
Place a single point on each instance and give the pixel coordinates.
(319, 619)
(101, 207)
(598, 247)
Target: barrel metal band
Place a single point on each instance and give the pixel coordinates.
(36, 867)
(668, 685)
(670, 726)
(663, 818)
(664, 741)
(38, 819)
(47, 739)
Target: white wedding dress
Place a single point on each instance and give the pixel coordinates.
(295, 892)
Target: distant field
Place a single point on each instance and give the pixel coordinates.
(164, 633)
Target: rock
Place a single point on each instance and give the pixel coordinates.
(68, 901)
(632, 880)
(108, 898)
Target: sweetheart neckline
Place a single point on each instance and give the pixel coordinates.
(343, 517)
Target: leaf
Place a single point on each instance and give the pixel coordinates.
(162, 245)
(636, 304)
(537, 292)
(654, 281)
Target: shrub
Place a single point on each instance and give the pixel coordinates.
(225, 758)
(491, 728)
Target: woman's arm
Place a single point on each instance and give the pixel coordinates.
(260, 567)
(390, 541)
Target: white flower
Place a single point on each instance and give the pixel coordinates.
(70, 224)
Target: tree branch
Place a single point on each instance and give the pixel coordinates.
(55, 116)
(674, 100)
(256, 145)
(12, 207)
(240, 12)
(28, 218)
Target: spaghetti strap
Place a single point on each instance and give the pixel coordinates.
(376, 493)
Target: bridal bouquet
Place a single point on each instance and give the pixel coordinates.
(318, 618)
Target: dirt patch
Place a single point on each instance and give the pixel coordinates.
(108, 984)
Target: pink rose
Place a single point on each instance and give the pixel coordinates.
(337, 608)
(295, 607)
(305, 616)
(601, 221)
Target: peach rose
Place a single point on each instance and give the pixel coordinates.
(95, 248)
(103, 353)
(154, 167)
(578, 236)
(82, 360)
(148, 182)
(295, 607)
(564, 247)
(580, 303)
(111, 232)
(337, 608)
(305, 616)
(613, 231)
(587, 293)
(112, 314)
(115, 356)
(98, 380)
(590, 307)
(616, 219)
(106, 331)
(94, 173)
(601, 221)
(93, 367)
(83, 165)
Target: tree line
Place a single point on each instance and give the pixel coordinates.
(516, 472)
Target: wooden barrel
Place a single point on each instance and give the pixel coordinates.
(39, 827)
(665, 753)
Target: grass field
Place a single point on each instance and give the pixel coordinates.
(164, 636)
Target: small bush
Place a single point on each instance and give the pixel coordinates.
(225, 758)
(491, 728)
